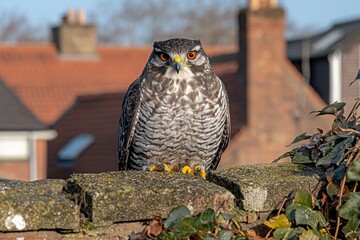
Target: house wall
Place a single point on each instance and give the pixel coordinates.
(320, 78)
(350, 66)
(95, 115)
(20, 169)
(319, 75)
(15, 169)
(41, 151)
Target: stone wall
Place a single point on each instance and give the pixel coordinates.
(112, 205)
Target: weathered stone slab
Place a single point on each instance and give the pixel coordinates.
(136, 195)
(26, 206)
(262, 187)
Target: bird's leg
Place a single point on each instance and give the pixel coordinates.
(196, 171)
(187, 170)
(160, 168)
(199, 171)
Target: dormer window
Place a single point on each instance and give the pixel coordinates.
(73, 149)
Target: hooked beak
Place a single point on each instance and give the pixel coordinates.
(177, 63)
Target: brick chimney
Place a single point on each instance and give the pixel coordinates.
(74, 37)
(262, 54)
(277, 98)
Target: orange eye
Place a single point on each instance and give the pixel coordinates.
(191, 55)
(164, 56)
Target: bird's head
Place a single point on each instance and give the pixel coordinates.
(178, 57)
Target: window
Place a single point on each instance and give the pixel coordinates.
(14, 148)
(72, 149)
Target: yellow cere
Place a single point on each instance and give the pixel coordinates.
(178, 59)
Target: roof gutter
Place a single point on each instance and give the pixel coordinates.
(38, 134)
(33, 136)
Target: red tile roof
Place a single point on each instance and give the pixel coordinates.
(48, 85)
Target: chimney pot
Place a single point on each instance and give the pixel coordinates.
(69, 17)
(261, 4)
(80, 17)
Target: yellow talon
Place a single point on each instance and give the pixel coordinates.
(166, 168)
(175, 168)
(187, 170)
(202, 174)
(154, 168)
(163, 168)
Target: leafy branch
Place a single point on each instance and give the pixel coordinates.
(337, 153)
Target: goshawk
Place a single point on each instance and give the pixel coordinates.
(176, 113)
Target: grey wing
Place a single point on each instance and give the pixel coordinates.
(127, 122)
(225, 137)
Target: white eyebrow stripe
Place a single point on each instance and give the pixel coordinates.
(196, 48)
(158, 50)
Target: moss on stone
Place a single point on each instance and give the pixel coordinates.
(135, 195)
(262, 187)
(36, 205)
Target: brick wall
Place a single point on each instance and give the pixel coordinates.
(350, 66)
(21, 166)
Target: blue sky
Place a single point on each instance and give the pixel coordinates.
(318, 14)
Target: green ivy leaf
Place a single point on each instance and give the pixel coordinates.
(330, 109)
(207, 216)
(308, 235)
(304, 198)
(167, 235)
(288, 233)
(353, 173)
(227, 216)
(351, 206)
(356, 78)
(320, 218)
(332, 189)
(351, 229)
(287, 154)
(299, 138)
(336, 153)
(210, 238)
(241, 238)
(225, 235)
(302, 155)
(176, 215)
(186, 226)
(303, 215)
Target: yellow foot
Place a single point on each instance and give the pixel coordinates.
(177, 168)
(160, 168)
(187, 170)
(200, 172)
(197, 171)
